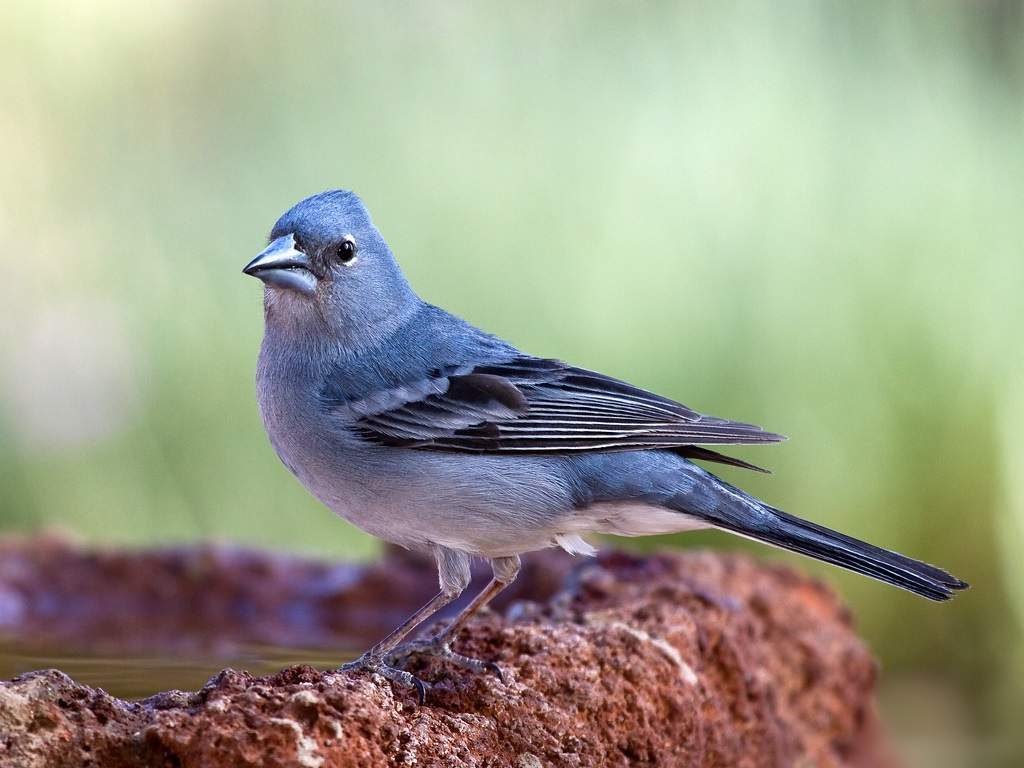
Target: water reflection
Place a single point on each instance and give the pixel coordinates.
(139, 676)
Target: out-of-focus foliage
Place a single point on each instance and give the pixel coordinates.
(806, 215)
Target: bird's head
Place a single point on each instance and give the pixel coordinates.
(327, 267)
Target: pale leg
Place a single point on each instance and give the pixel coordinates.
(453, 575)
(505, 570)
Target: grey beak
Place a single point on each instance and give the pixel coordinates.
(282, 265)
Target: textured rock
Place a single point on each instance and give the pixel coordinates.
(674, 660)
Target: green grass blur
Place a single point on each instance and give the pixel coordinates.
(806, 215)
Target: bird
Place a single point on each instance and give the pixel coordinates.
(429, 433)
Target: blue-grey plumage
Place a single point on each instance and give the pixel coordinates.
(430, 433)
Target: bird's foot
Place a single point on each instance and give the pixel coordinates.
(441, 649)
(376, 664)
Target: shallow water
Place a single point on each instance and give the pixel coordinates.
(135, 677)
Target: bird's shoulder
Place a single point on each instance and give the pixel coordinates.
(432, 343)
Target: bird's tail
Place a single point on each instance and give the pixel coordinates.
(741, 514)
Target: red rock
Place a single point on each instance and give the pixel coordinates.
(215, 598)
(674, 660)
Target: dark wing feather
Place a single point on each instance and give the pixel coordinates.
(706, 454)
(534, 406)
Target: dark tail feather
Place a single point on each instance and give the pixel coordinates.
(773, 526)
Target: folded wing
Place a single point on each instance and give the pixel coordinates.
(534, 406)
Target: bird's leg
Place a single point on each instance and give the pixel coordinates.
(453, 575)
(505, 570)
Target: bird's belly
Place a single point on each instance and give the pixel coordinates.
(486, 505)
(415, 499)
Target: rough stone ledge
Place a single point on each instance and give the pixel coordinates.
(693, 659)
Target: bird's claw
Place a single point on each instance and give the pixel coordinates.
(377, 665)
(442, 650)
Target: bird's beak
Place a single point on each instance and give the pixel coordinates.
(281, 264)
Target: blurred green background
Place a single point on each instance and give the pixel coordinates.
(802, 214)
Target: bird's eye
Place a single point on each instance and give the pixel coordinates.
(299, 244)
(347, 251)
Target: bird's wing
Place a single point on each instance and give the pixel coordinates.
(533, 406)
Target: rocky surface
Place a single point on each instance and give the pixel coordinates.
(690, 659)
